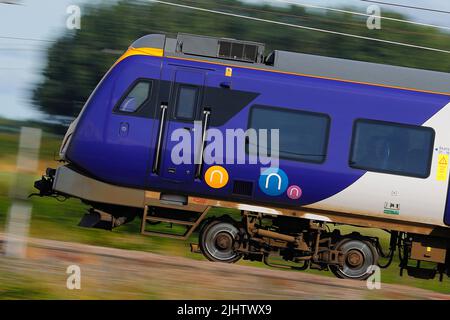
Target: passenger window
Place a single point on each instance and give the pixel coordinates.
(186, 102)
(303, 136)
(392, 148)
(136, 97)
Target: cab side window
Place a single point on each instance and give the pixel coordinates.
(136, 97)
(186, 102)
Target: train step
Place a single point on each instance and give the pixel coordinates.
(98, 220)
(421, 273)
(172, 216)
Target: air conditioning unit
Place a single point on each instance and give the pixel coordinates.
(221, 48)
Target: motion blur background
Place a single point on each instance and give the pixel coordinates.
(47, 72)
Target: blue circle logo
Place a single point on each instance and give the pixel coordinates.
(273, 181)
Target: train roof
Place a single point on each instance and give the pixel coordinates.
(251, 54)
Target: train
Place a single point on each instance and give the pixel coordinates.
(287, 147)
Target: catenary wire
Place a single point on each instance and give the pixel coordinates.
(299, 26)
(361, 14)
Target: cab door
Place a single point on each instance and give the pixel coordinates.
(175, 150)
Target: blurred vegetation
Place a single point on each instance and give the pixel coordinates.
(13, 126)
(78, 60)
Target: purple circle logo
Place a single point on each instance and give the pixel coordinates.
(294, 192)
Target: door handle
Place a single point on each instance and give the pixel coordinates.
(206, 114)
(162, 120)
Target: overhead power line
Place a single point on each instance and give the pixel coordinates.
(406, 6)
(25, 39)
(10, 2)
(320, 17)
(274, 22)
(298, 26)
(362, 14)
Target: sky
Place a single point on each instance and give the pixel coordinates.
(22, 61)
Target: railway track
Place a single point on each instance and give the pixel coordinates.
(110, 273)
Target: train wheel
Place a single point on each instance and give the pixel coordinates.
(359, 255)
(217, 241)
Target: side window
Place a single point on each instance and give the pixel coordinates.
(303, 136)
(135, 98)
(186, 102)
(392, 148)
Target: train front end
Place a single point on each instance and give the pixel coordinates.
(92, 148)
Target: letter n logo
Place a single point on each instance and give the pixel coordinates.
(273, 181)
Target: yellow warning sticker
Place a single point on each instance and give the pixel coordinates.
(442, 167)
(228, 72)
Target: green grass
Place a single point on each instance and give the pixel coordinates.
(58, 221)
(17, 285)
(9, 145)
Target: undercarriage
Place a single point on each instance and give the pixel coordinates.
(287, 242)
(310, 244)
(300, 243)
(278, 240)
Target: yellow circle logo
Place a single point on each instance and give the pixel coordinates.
(216, 177)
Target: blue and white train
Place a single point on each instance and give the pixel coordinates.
(359, 144)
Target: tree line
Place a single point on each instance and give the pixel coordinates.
(77, 61)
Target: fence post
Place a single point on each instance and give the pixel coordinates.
(19, 215)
